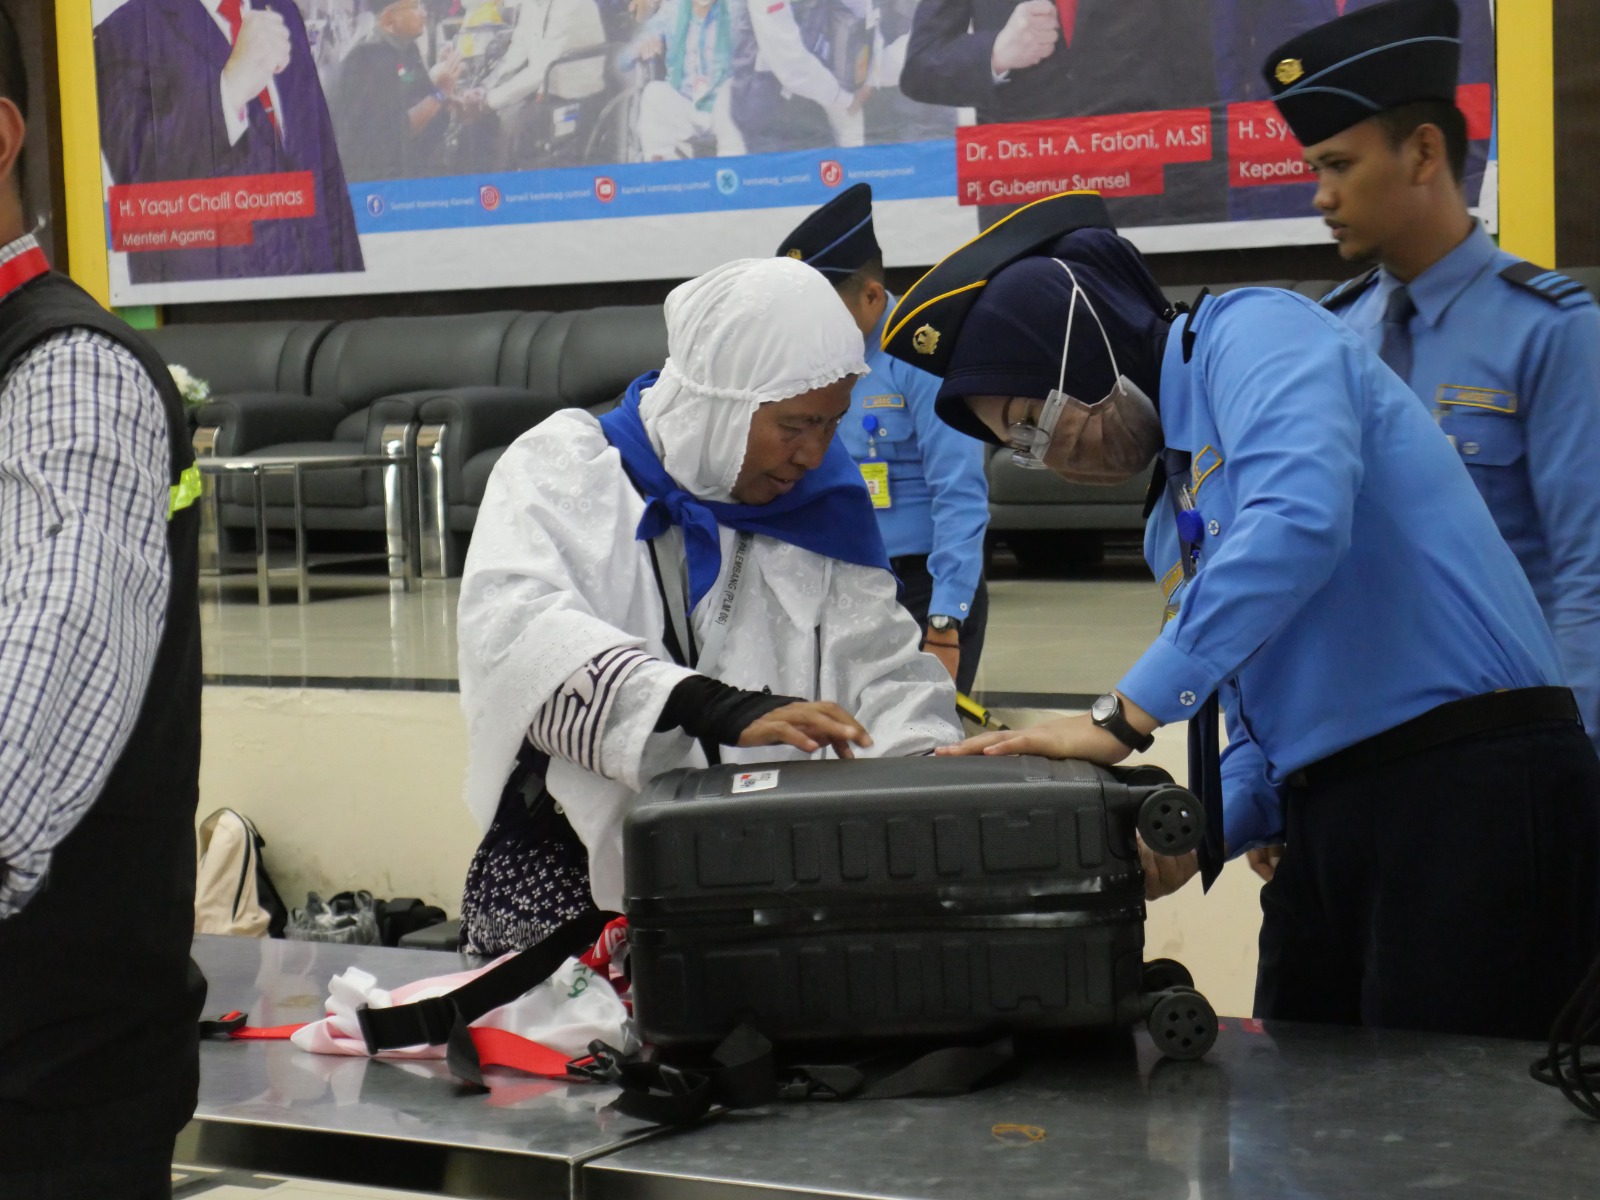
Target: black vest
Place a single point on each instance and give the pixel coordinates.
(97, 1000)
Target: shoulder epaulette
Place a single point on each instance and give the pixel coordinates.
(1550, 286)
(1349, 290)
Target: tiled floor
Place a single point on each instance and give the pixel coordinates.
(1050, 641)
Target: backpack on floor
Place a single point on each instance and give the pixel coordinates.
(233, 893)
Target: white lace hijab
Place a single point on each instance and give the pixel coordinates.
(742, 335)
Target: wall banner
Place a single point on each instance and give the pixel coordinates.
(273, 148)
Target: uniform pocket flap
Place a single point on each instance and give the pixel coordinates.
(891, 424)
(1484, 439)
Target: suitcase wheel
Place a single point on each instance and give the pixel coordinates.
(1171, 822)
(1163, 973)
(1182, 1024)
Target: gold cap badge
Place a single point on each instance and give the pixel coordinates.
(1289, 70)
(795, 253)
(925, 340)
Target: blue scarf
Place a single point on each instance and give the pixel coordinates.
(827, 512)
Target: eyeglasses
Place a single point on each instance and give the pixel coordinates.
(1029, 438)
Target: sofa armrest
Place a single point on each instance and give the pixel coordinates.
(247, 421)
(484, 418)
(474, 420)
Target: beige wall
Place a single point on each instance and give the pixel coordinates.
(363, 788)
(349, 788)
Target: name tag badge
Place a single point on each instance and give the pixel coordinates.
(1451, 395)
(876, 477)
(891, 400)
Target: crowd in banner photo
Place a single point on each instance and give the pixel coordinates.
(535, 84)
(1165, 111)
(348, 119)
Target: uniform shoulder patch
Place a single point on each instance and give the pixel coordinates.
(1349, 290)
(1550, 286)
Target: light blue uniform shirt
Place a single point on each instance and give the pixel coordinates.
(1350, 577)
(1514, 379)
(938, 493)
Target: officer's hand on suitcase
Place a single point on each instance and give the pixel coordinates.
(808, 725)
(1064, 737)
(1163, 875)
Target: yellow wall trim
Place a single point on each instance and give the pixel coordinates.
(1524, 33)
(80, 150)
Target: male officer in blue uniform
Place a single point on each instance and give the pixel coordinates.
(1388, 678)
(926, 480)
(1505, 355)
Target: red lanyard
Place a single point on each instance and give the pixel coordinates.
(24, 268)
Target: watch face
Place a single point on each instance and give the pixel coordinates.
(940, 622)
(1103, 707)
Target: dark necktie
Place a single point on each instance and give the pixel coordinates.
(232, 11)
(1396, 346)
(1205, 750)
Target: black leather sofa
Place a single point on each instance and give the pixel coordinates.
(455, 391)
(571, 359)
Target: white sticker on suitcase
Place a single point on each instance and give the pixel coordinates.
(754, 781)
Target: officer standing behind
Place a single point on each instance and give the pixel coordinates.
(1333, 578)
(1505, 355)
(926, 480)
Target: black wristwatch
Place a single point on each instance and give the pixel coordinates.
(1106, 712)
(941, 622)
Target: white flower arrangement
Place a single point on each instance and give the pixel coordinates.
(195, 392)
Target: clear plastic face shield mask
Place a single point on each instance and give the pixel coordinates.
(1106, 441)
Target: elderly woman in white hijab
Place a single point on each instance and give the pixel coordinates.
(694, 577)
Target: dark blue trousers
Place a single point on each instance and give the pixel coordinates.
(1456, 890)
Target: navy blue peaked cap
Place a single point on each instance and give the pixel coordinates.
(1011, 341)
(1341, 73)
(837, 239)
(924, 326)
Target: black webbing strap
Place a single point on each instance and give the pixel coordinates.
(953, 1071)
(743, 1073)
(442, 1020)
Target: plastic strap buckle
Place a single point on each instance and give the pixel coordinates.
(421, 1022)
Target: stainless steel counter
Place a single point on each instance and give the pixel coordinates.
(1300, 1111)
(1304, 1111)
(269, 1106)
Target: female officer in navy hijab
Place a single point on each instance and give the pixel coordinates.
(1393, 701)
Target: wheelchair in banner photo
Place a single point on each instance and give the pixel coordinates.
(578, 115)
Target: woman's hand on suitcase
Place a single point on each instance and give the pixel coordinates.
(809, 726)
(1163, 875)
(1064, 737)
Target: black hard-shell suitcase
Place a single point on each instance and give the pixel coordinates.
(920, 897)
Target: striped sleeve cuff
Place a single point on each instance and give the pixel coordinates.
(570, 724)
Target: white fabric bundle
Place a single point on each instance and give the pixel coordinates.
(566, 1012)
(745, 334)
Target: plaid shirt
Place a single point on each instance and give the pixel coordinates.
(84, 574)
